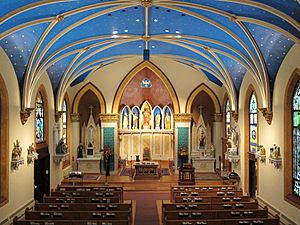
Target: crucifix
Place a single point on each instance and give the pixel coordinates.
(91, 109)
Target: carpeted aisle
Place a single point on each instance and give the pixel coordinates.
(146, 210)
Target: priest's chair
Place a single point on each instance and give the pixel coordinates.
(146, 154)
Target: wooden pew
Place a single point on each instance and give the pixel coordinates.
(207, 193)
(215, 214)
(89, 188)
(211, 199)
(103, 194)
(71, 222)
(256, 221)
(77, 215)
(83, 207)
(51, 199)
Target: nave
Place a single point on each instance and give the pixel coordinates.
(124, 201)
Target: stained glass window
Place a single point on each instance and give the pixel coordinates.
(64, 121)
(228, 118)
(296, 140)
(39, 118)
(253, 123)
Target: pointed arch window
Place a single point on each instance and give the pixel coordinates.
(65, 121)
(39, 118)
(296, 140)
(253, 123)
(227, 118)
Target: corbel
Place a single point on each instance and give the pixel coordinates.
(25, 114)
(58, 115)
(235, 116)
(267, 114)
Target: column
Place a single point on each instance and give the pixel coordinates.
(109, 136)
(217, 137)
(75, 137)
(182, 135)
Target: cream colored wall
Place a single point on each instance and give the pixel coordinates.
(271, 180)
(183, 79)
(21, 181)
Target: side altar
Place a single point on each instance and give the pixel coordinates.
(203, 151)
(89, 154)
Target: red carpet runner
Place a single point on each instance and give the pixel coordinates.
(146, 210)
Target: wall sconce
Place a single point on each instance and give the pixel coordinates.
(261, 153)
(275, 157)
(16, 159)
(31, 154)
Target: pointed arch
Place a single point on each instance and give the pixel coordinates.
(68, 128)
(133, 72)
(43, 93)
(288, 139)
(95, 90)
(207, 90)
(250, 91)
(4, 148)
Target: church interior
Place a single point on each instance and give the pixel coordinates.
(159, 112)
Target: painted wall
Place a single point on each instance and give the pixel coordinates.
(21, 181)
(271, 180)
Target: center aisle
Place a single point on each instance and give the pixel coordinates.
(146, 210)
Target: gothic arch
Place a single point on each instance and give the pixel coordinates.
(196, 91)
(249, 92)
(68, 161)
(288, 145)
(133, 72)
(96, 91)
(43, 92)
(4, 148)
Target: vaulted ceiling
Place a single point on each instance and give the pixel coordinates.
(71, 39)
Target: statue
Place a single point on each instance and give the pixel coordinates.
(146, 117)
(80, 151)
(167, 121)
(125, 120)
(210, 153)
(31, 150)
(17, 150)
(275, 152)
(233, 138)
(107, 156)
(202, 137)
(157, 120)
(135, 121)
(61, 147)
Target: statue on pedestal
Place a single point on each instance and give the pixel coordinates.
(167, 121)
(157, 121)
(146, 117)
(233, 138)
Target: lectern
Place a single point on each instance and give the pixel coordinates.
(186, 174)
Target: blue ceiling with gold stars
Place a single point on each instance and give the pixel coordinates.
(71, 39)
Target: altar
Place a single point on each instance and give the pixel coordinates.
(89, 165)
(204, 164)
(146, 170)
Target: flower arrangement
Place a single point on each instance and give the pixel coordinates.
(183, 151)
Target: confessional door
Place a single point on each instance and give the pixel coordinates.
(42, 175)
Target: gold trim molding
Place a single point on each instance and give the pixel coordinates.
(146, 3)
(109, 117)
(218, 117)
(75, 117)
(58, 115)
(235, 116)
(267, 114)
(183, 117)
(25, 114)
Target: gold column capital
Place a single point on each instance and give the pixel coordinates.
(183, 117)
(218, 117)
(109, 117)
(24, 115)
(75, 117)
